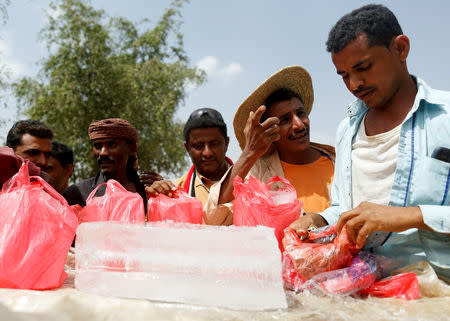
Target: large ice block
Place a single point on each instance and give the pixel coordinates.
(232, 267)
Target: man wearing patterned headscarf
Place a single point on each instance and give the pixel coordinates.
(114, 144)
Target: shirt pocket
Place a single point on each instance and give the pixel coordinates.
(431, 183)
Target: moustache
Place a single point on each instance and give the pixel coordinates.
(299, 132)
(361, 89)
(103, 159)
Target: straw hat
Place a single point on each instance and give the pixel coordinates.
(294, 78)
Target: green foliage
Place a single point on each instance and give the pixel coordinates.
(3, 9)
(101, 67)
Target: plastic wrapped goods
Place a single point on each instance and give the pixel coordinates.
(402, 286)
(232, 267)
(256, 204)
(37, 227)
(180, 208)
(310, 258)
(360, 274)
(117, 204)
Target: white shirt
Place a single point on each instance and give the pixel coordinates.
(374, 160)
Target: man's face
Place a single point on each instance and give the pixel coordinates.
(294, 127)
(35, 149)
(207, 148)
(59, 175)
(112, 156)
(372, 74)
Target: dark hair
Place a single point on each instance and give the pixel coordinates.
(376, 21)
(204, 118)
(62, 153)
(29, 126)
(281, 94)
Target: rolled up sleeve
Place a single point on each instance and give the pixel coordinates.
(436, 217)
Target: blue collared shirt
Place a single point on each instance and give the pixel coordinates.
(419, 179)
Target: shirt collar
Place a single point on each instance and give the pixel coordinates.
(202, 180)
(424, 92)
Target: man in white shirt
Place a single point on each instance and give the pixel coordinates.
(392, 171)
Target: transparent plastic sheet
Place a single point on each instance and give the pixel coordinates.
(179, 208)
(68, 303)
(117, 204)
(37, 227)
(256, 203)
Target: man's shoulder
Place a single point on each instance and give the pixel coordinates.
(77, 193)
(325, 149)
(433, 96)
(181, 180)
(85, 183)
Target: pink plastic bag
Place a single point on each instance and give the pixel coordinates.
(310, 258)
(117, 204)
(402, 286)
(256, 204)
(37, 228)
(180, 208)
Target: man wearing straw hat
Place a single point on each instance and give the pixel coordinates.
(272, 127)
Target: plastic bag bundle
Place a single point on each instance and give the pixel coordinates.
(181, 208)
(117, 204)
(313, 258)
(331, 268)
(256, 204)
(361, 273)
(402, 286)
(38, 227)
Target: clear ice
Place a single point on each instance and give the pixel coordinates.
(231, 267)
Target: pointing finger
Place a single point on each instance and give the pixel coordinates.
(258, 114)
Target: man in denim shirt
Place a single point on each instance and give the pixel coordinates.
(392, 170)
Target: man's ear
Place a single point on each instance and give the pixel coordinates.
(227, 141)
(69, 170)
(186, 147)
(400, 45)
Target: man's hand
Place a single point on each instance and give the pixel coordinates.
(369, 217)
(148, 177)
(302, 224)
(259, 137)
(160, 187)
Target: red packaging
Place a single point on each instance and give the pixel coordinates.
(360, 274)
(256, 204)
(180, 208)
(402, 286)
(314, 258)
(38, 227)
(117, 204)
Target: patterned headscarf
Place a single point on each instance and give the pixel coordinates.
(114, 128)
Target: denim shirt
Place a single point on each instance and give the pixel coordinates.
(419, 179)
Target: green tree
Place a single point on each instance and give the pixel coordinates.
(101, 67)
(3, 9)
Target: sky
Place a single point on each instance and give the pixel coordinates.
(240, 43)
